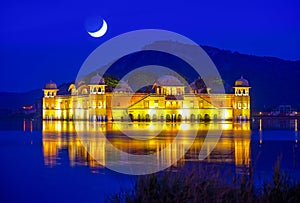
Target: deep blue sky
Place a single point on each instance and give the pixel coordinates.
(43, 40)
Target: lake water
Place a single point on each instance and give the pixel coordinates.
(55, 160)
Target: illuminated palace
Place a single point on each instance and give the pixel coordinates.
(171, 101)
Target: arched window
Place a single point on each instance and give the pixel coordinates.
(131, 117)
(168, 117)
(154, 117)
(179, 118)
(198, 117)
(215, 117)
(147, 117)
(192, 117)
(201, 104)
(84, 91)
(206, 117)
(168, 104)
(173, 104)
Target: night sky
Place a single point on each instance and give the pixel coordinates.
(43, 40)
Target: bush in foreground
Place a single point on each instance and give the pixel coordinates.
(209, 186)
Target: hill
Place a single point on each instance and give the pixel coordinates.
(274, 81)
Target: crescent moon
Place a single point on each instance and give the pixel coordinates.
(101, 31)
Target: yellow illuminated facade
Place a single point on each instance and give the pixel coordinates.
(170, 102)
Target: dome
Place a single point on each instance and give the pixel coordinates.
(241, 82)
(97, 79)
(50, 85)
(123, 87)
(168, 80)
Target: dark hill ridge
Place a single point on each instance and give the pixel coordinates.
(274, 81)
(12, 100)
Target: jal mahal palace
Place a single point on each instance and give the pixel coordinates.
(172, 101)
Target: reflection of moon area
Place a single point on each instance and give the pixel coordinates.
(101, 31)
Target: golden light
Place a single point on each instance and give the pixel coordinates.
(184, 126)
(226, 126)
(153, 127)
(151, 112)
(260, 125)
(226, 114)
(184, 112)
(58, 126)
(52, 144)
(144, 106)
(27, 107)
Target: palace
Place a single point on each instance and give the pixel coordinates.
(171, 101)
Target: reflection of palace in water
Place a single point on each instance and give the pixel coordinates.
(171, 101)
(60, 136)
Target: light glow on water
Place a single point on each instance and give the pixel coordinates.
(50, 159)
(235, 150)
